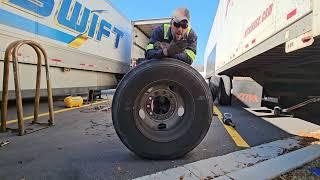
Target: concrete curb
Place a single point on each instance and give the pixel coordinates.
(261, 162)
(277, 166)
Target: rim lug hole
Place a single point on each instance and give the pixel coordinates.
(162, 126)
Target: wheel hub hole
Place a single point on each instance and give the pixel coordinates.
(162, 126)
(161, 105)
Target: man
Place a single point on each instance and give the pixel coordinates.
(175, 40)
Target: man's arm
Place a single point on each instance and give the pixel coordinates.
(189, 55)
(151, 51)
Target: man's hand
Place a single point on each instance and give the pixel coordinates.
(161, 45)
(175, 47)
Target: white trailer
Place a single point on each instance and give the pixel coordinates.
(162, 109)
(275, 42)
(89, 43)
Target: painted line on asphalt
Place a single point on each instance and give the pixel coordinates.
(56, 112)
(240, 142)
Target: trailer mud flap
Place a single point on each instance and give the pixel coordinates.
(247, 91)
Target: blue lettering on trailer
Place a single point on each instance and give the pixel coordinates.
(72, 22)
(93, 25)
(40, 7)
(13, 20)
(119, 35)
(70, 15)
(104, 29)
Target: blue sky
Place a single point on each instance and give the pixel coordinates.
(202, 15)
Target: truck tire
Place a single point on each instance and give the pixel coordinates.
(224, 93)
(214, 86)
(162, 109)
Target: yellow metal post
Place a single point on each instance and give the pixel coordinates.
(11, 55)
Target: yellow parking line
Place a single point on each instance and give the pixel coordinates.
(240, 142)
(56, 112)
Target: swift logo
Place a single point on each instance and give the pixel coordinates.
(73, 16)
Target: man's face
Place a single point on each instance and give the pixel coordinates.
(179, 30)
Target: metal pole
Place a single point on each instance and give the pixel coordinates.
(49, 90)
(39, 49)
(18, 92)
(6, 72)
(4, 103)
(50, 99)
(38, 80)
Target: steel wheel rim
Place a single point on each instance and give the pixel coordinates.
(168, 124)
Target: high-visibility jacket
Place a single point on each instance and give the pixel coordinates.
(163, 34)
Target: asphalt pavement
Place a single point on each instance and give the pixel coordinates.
(83, 144)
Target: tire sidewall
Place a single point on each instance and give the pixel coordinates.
(214, 84)
(130, 87)
(225, 96)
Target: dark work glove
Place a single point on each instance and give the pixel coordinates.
(175, 47)
(160, 45)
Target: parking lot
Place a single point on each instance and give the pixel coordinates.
(84, 145)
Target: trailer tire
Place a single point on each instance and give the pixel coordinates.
(184, 120)
(214, 86)
(224, 94)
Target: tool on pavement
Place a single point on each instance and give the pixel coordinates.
(4, 143)
(227, 119)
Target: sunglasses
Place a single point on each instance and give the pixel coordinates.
(183, 25)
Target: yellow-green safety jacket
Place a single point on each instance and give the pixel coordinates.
(163, 34)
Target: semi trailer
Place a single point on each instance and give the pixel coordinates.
(89, 43)
(268, 48)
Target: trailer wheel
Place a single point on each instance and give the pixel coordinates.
(224, 93)
(162, 109)
(214, 86)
